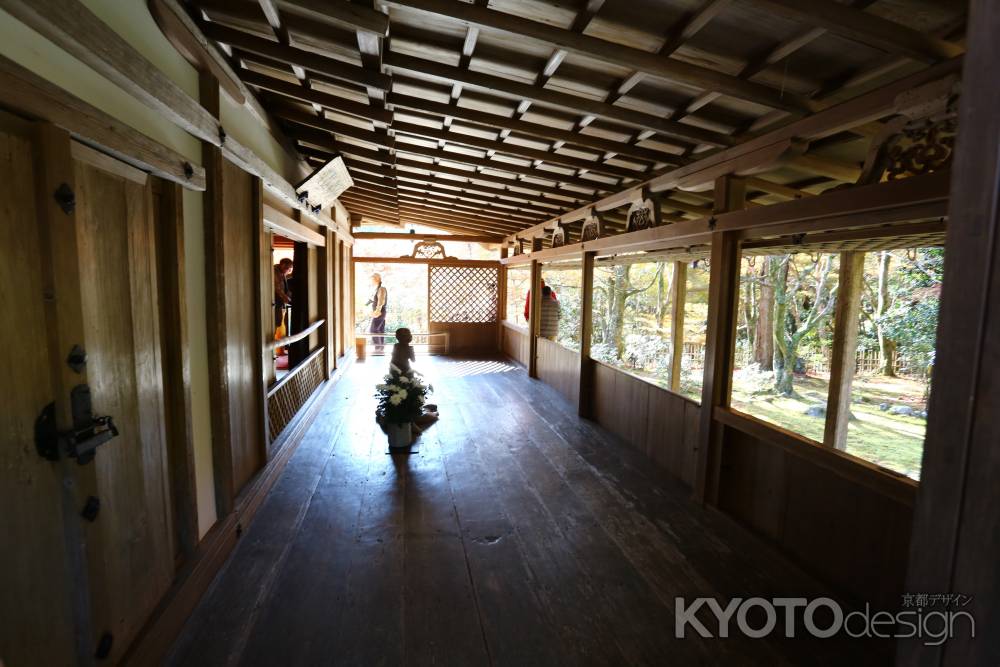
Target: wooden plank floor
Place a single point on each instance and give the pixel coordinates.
(517, 535)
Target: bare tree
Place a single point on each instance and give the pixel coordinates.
(802, 299)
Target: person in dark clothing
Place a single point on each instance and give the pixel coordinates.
(282, 293)
(378, 302)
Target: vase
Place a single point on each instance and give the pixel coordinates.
(400, 435)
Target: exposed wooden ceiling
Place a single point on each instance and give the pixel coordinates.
(492, 117)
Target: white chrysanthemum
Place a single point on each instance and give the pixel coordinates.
(395, 399)
(402, 394)
(404, 380)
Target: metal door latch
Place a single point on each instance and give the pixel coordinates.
(80, 442)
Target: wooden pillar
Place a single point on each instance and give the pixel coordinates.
(534, 312)
(679, 301)
(324, 287)
(215, 291)
(845, 348)
(723, 295)
(586, 394)
(536, 244)
(955, 544)
(263, 278)
(176, 362)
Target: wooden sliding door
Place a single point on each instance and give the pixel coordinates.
(89, 541)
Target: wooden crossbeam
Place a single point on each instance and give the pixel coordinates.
(609, 52)
(304, 94)
(348, 15)
(861, 109)
(866, 28)
(532, 129)
(448, 73)
(515, 150)
(314, 62)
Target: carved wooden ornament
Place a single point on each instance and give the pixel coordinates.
(643, 214)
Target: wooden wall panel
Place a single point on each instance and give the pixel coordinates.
(469, 338)
(657, 422)
(559, 367)
(312, 286)
(239, 226)
(514, 343)
(849, 535)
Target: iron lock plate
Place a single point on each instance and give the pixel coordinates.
(80, 442)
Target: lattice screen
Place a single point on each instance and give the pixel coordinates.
(285, 402)
(464, 293)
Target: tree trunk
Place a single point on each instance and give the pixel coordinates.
(620, 294)
(763, 349)
(784, 352)
(886, 347)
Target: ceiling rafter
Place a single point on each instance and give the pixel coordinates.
(531, 152)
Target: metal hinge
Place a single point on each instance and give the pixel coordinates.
(80, 442)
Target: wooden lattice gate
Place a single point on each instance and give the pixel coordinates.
(464, 300)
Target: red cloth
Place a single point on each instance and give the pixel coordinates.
(527, 302)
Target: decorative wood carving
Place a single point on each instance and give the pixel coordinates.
(558, 236)
(643, 214)
(591, 230)
(429, 250)
(920, 140)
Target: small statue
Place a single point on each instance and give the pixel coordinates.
(402, 351)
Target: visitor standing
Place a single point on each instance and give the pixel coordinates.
(378, 302)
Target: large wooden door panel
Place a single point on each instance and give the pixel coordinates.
(130, 546)
(35, 607)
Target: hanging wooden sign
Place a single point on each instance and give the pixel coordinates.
(558, 236)
(591, 230)
(325, 184)
(643, 214)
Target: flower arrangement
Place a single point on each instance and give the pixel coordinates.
(401, 396)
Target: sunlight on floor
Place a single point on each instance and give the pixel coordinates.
(468, 367)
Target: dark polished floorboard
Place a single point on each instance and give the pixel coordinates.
(517, 535)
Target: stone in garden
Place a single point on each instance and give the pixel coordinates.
(816, 411)
(883, 406)
(904, 410)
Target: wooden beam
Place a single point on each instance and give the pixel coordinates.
(609, 52)
(291, 228)
(313, 62)
(532, 129)
(348, 15)
(845, 348)
(414, 236)
(515, 150)
(773, 188)
(858, 110)
(955, 545)
(184, 36)
(585, 395)
(305, 94)
(71, 26)
(892, 202)
(562, 101)
(866, 28)
(30, 95)
(723, 299)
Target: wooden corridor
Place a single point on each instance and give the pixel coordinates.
(518, 534)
